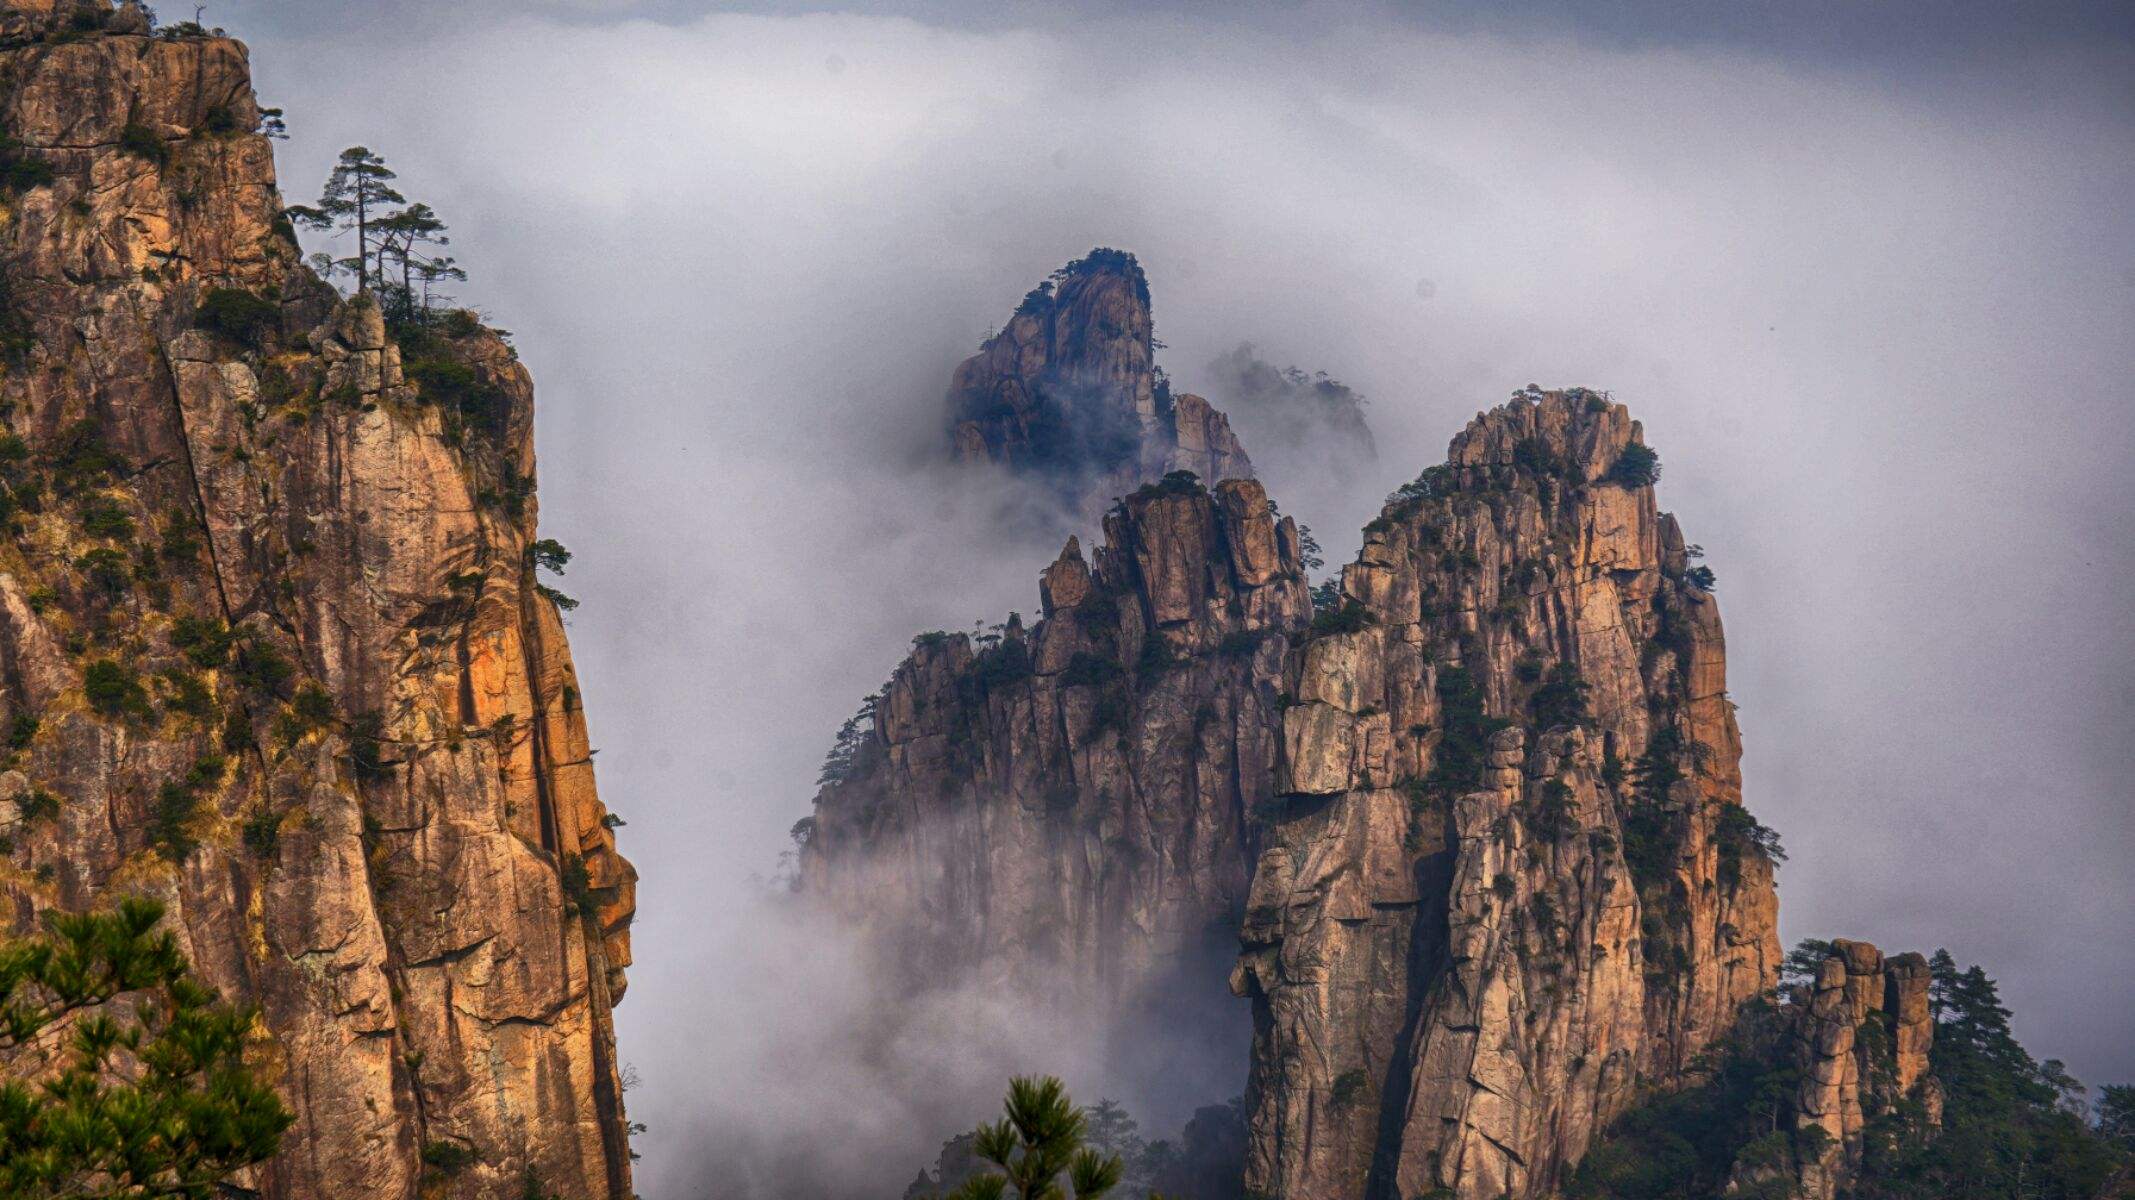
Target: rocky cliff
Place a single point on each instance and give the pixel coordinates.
(1080, 793)
(1501, 880)
(1069, 392)
(271, 648)
(1859, 1035)
(1083, 792)
(1515, 878)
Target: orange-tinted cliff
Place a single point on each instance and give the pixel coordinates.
(269, 633)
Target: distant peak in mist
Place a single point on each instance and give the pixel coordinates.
(1068, 393)
(1291, 410)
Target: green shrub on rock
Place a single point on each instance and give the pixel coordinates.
(1638, 466)
(238, 315)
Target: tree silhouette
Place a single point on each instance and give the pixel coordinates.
(404, 241)
(548, 554)
(356, 197)
(2116, 1114)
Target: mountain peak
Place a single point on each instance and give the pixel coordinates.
(1069, 391)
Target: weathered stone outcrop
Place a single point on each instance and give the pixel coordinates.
(1513, 880)
(1069, 391)
(270, 634)
(1502, 881)
(1084, 792)
(1860, 1035)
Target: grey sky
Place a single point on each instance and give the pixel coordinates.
(1868, 280)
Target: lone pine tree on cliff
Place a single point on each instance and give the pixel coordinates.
(396, 257)
(356, 198)
(404, 239)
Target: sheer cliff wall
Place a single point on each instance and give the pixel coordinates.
(270, 636)
(1477, 823)
(1514, 880)
(1079, 794)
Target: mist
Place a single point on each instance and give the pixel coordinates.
(1873, 315)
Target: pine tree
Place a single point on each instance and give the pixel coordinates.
(1308, 547)
(548, 554)
(843, 760)
(1942, 977)
(403, 241)
(146, 1098)
(432, 271)
(1804, 961)
(2116, 1114)
(357, 196)
(1039, 1141)
(2009, 1128)
(1327, 595)
(839, 762)
(1112, 1130)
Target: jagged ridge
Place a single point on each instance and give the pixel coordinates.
(1502, 878)
(1083, 791)
(1511, 889)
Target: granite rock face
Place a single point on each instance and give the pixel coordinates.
(1512, 882)
(1068, 392)
(1500, 882)
(1081, 793)
(1860, 1036)
(270, 633)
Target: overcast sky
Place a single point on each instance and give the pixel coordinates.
(1868, 279)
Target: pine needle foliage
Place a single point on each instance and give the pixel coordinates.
(1038, 1147)
(146, 1097)
(1638, 466)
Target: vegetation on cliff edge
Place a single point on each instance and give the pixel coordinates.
(2011, 1126)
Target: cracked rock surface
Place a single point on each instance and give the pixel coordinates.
(269, 632)
(1508, 892)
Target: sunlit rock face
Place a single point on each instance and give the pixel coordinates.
(270, 633)
(1068, 393)
(1512, 882)
(1859, 1033)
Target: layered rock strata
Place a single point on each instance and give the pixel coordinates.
(1069, 392)
(270, 637)
(1512, 880)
